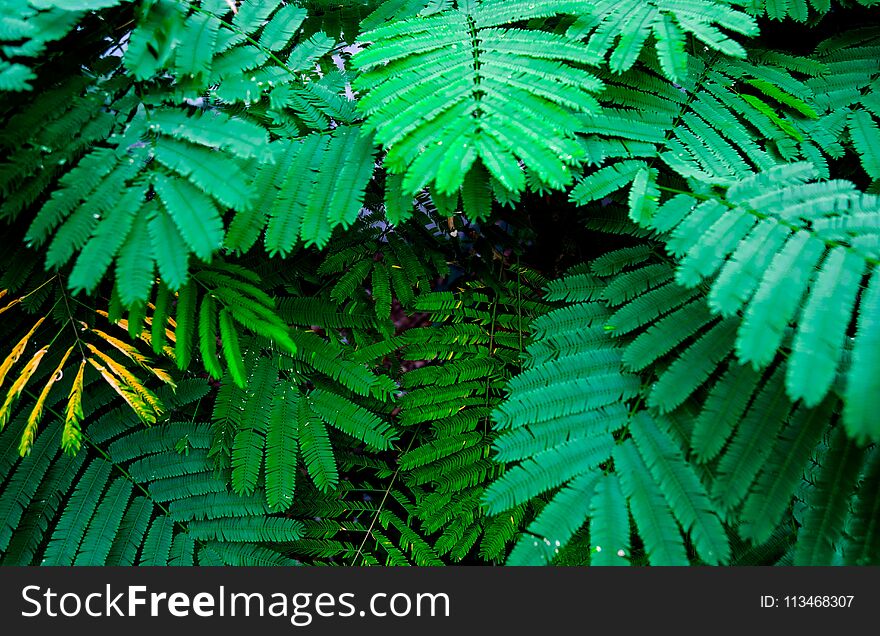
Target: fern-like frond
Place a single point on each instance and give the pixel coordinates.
(336, 168)
(685, 494)
(652, 514)
(827, 510)
(813, 273)
(507, 94)
(623, 29)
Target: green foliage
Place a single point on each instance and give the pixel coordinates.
(702, 446)
(625, 27)
(132, 498)
(822, 248)
(507, 94)
(29, 27)
(308, 208)
(399, 282)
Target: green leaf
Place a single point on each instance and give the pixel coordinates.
(609, 524)
(71, 526)
(208, 336)
(865, 135)
(98, 540)
(352, 419)
(829, 503)
(211, 172)
(556, 524)
(783, 471)
(169, 248)
(185, 316)
(438, 104)
(863, 547)
(195, 52)
(193, 213)
(775, 303)
(282, 448)
(818, 345)
(650, 511)
(316, 450)
(283, 26)
(862, 381)
(606, 180)
(547, 470)
(236, 135)
(685, 494)
(231, 348)
(134, 266)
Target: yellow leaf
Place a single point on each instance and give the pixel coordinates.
(17, 350)
(71, 436)
(125, 348)
(147, 397)
(136, 356)
(12, 303)
(18, 386)
(30, 431)
(126, 393)
(122, 323)
(163, 375)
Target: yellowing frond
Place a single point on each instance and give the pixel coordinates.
(71, 436)
(122, 323)
(136, 356)
(12, 303)
(30, 431)
(18, 386)
(125, 348)
(145, 396)
(17, 350)
(137, 405)
(163, 375)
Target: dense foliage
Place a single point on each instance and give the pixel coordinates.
(435, 281)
